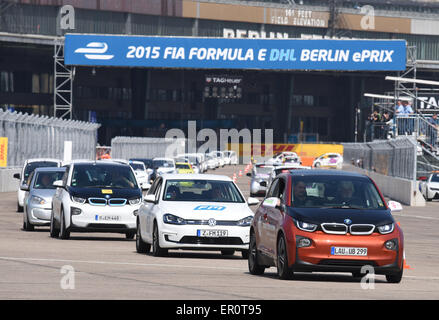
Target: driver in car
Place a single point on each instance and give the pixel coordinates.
(345, 194)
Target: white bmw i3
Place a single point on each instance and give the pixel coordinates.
(194, 212)
(95, 196)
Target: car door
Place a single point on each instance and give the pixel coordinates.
(263, 225)
(275, 215)
(57, 197)
(151, 209)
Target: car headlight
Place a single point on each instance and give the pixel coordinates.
(37, 200)
(134, 201)
(79, 200)
(387, 228)
(245, 222)
(172, 219)
(305, 226)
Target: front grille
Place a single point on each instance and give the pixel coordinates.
(361, 229)
(117, 202)
(213, 241)
(334, 228)
(347, 263)
(97, 201)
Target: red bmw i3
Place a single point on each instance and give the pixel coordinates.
(326, 221)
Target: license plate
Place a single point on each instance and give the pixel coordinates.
(212, 233)
(348, 251)
(107, 218)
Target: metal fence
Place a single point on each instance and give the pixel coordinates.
(137, 147)
(396, 157)
(32, 136)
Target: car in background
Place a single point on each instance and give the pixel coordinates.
(292, 160)
(430, 186)
(191, 158)
(148, 165)
(194, 211)
(218, 162)
(95, 196)
(183, 167)
(220, 157)
(37, 206)
(326, 221)
(233, 159)
(162, 166)
(279, 158)
(211, 162)
(142, 175)
(203, 164)
(29, 166)
(259, 179)
(329, 160)
(276, 170)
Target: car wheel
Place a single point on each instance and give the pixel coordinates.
(130, 235)
(253, 265)
(19, 208)
(27, 226)
(227, 252)
(157, 251)
(284, 272)
(395, 277)
(244, 254)
(141, 247)
(53, 231)
(63, 232)
(317, 164)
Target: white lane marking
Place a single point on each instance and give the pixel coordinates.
(118, 263)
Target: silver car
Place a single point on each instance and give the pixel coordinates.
(37, 204)
(259, 182)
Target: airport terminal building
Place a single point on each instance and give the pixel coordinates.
(133, 101)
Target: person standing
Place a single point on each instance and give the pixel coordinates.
(435, 127)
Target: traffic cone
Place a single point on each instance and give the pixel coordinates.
(234, 177)
(405, 265)
(240, 173)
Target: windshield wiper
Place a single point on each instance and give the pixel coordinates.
(345, 206)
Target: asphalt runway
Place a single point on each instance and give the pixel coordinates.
(106, 266)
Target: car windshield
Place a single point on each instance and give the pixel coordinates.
(261, 169)
(147, 162)
(201, 190)
(335, 192)
(137, 166)
(37, 164)
(103, 176)
(45, 179)
(435, 178)
(163, 163)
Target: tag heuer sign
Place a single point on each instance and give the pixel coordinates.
(225, 87)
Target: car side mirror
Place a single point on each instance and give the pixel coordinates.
(24, 187)
(422, 178)
(146, 186)
(271, 202)
(252, 201)
(249, 174)
(150, 198)
(16, 176)
(58, 184)
(395, 206)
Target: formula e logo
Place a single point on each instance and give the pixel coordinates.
(207, 207)
(95, 51)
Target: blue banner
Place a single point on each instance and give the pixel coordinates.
(221, 53)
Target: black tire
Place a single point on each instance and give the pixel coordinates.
(54, 233)
(317, 165)
(157, 251)
(283, 270)
(27, 226)
(141, 247)
(130, 235)
(227, 252)
(19, 208)
(396, 277)
(429, 199)
(244, 254)
(253, 264)
(63, 232)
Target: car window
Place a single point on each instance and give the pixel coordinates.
(201, 190)
(30, 167)
(435, 178)
(335, 192)
(66, 175)
(45, 180)
(272, 188)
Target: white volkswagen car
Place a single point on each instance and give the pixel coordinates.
(430, 187)
(194, 211)
(329, 160)
(95, 196)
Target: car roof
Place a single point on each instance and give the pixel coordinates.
(43, 160)
(187, 163)
(163, 159)
(323, 172)
(50, 169)
(196, 176)
(98, 162)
